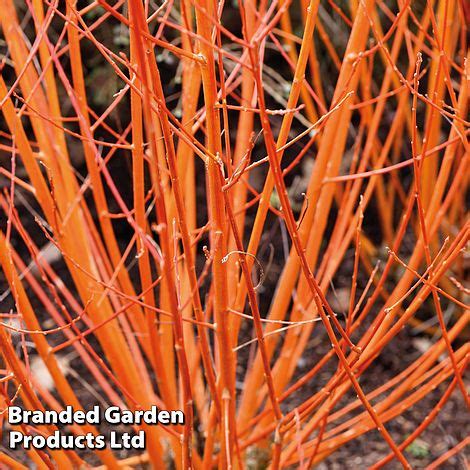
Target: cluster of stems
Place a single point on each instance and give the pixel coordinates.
(295, 216)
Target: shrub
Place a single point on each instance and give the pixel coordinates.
(252, 212)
